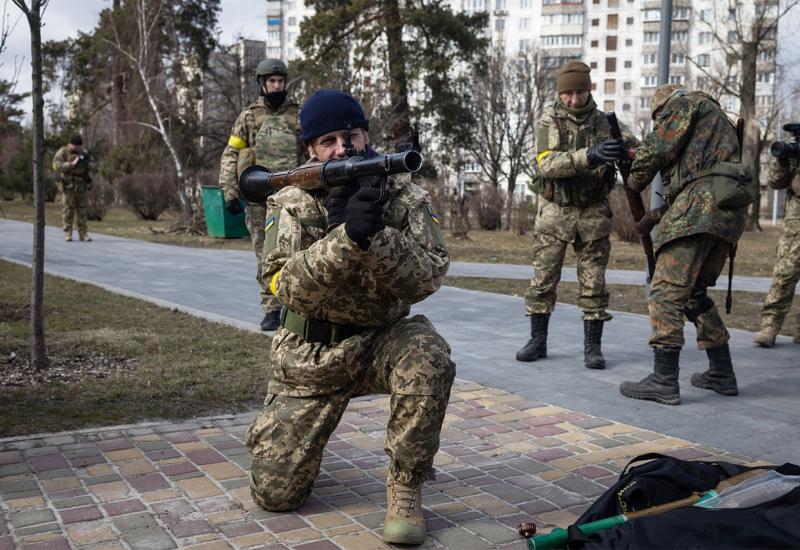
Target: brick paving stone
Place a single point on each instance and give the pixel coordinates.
(190, 528)
(10, 489)
(508, 493)
(162, 454)
(123, 507)
(286, 523)
(75, 515)
(55, 473)
(580, 485)
(84, 461)
(233, 530)
(205, 457)
(361, 541)
(149, 482)
(11, 457)
(71, 502)
(107, 492)
(48, 462)
(319, 545)
(688, 454)
(151, 538)
(14, 469)
(491, 530)
(90, 533)
(31, 517)
(312, 507)
(198, 487)
(460, 538)
(173, 510)
(372, 520)
(107, 478)
(179, 468)
(52, 544)
(546, 455)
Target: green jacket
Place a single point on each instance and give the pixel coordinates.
(66, 173)
(785, 174)
(691, 133)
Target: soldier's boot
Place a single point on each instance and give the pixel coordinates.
(592, 337)
(404, 522)
(660, 386)
(719, 376)
(271, 320)
(85, 237)
(536, 348)
(766, 337)
(68, 236)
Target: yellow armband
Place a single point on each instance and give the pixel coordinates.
(273, 284)
(237, 143)
(541, 155)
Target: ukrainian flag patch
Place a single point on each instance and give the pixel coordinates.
(269, 223)
(434, 217)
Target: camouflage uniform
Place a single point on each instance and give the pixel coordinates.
(330, 284)
(73, 182)
(269, 137)
(575, 209)
(690, 134)
(785, 174)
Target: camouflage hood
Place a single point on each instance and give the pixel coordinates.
(578, 116)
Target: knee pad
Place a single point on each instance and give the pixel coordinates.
(703, 301)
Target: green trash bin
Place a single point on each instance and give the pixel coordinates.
(219, 222)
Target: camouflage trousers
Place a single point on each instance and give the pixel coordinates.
(75, 206)
(255, 215)
(685, 268)
(409, 361)
(785, 276)
(548, 258)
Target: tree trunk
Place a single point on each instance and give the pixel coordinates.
(38, 349)
(747, 98)
(119, 114)
(400, 124)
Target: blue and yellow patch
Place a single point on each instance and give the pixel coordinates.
(434, 217)
(269, 223)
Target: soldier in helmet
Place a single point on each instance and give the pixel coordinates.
(71, 165)
(348, 263)
(574, 153)
(265, 133)
(696, 148)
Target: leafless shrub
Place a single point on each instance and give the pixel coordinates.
(523, 214)
(148, 194)
(98, 199)
(489, 203)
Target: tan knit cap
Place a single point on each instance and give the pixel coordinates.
(573, 76)
(661, 96)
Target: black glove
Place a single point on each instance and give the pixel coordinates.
(608, 151)
(364, 215)
(233, 206)
(336, 203)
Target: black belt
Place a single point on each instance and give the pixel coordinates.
(313, 330)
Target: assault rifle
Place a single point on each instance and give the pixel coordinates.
(635, 202)
(257, 183)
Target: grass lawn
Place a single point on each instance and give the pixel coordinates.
(745, 313)
(171, 365)
(756, 249)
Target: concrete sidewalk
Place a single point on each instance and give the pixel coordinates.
(538, 439)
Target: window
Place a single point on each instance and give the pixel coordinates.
(651, 37)
(595, 1)
(500, 5)
(733, 36)
(613, 21)
(274, 52)
(703, 60)
(680, 14)
(593, 65)
(611, 43)
(595, 22)
(652, 15)
(471, 7)
(611, 64)
(676, 79)
(629, 41)
(629, 21)
(594, 43)
(704, 38)
(681, 37)
(650, 80)
(649, 59)
(702, 82)
(729, 103)
(764, 77)
(628, 64)
(273, 36)
(763, 100)
(562, 40)
(525, 24)
(524, 45)
(292, 21)
(627, 86)
(678, 59)
(610, 86)
(524, 4)
(613, 3)
(705, 15)
(731, 14)
(626, 106)
(499, 24)
(594, 86)
(766, 55)
(608, 106)
(644, 102)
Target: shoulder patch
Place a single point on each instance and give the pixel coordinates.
(270, 221)
(433, 215)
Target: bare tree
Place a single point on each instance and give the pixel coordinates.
(33, 13)
(746, 33)
(142, 55)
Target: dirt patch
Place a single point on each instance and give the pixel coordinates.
(10, 313)
(16, 370)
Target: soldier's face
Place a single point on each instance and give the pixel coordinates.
(74, 148)
(274, 83)
(331, 145)
(574, 99)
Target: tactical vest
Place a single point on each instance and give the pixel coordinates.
(276, 141)
(586, 188)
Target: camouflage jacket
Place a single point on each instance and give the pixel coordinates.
(690, 134)
(65, 171)
(261, 135)
(785, 174)
(576, 196)
(326, 276)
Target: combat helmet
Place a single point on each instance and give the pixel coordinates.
(270, 67)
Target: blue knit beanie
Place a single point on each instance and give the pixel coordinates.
(330, 110)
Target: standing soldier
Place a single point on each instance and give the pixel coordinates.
(348, 264)
(265, 133)
(71, 165)
(784, 174)
(696, 149)
(574, 152)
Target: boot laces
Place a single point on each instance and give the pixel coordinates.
(405, 498)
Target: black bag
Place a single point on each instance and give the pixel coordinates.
(774, 524)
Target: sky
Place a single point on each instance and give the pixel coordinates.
(64, 18)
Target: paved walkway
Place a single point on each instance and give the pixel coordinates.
(494, 421)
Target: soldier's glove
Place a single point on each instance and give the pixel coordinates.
(650, 219)
(336, 203)
(610, 150)
(364, 216)
(233, 206)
